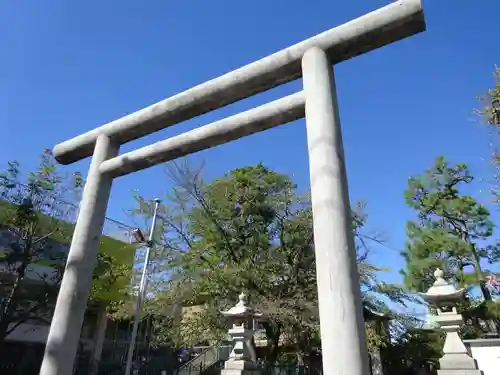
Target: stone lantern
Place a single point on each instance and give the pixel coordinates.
(445, 297)
(242, 359)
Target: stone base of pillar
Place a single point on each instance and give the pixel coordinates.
(458, 361)
(458, 364)
(228, 371)
(240, 365)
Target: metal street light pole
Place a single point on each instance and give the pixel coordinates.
(142, 290)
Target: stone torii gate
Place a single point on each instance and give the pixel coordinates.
(342, 328)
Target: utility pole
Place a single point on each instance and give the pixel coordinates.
(142, 289)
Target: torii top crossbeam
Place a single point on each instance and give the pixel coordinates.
(391, 23)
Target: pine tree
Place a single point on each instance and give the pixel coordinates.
(450, 233)
(490, 112)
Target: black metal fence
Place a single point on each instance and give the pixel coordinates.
(158, 366)
(289, 369)
(20, 358)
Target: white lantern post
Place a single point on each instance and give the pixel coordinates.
(242, 359)
(456, 360)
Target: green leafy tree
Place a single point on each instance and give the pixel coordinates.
(416, 348)
(248, 231)
(36, 229)
(451, 232)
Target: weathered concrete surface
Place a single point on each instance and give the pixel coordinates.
(255, 120)
(393, 22)
(343, 341)
(64, 334)
(487, 354)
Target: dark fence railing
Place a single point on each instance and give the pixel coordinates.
(163, 365)
(290, 369)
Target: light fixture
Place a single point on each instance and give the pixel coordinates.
(138, 236)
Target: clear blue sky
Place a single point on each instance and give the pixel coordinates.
(69, 66)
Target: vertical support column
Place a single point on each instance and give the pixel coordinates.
(64, 334)
(100, 334)
(343, 339)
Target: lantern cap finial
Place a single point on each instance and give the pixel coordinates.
(438, 274)
(243, 299)
(241, 309)
(442, 291)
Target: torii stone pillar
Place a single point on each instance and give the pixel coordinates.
(342, 331)
(340, 309)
